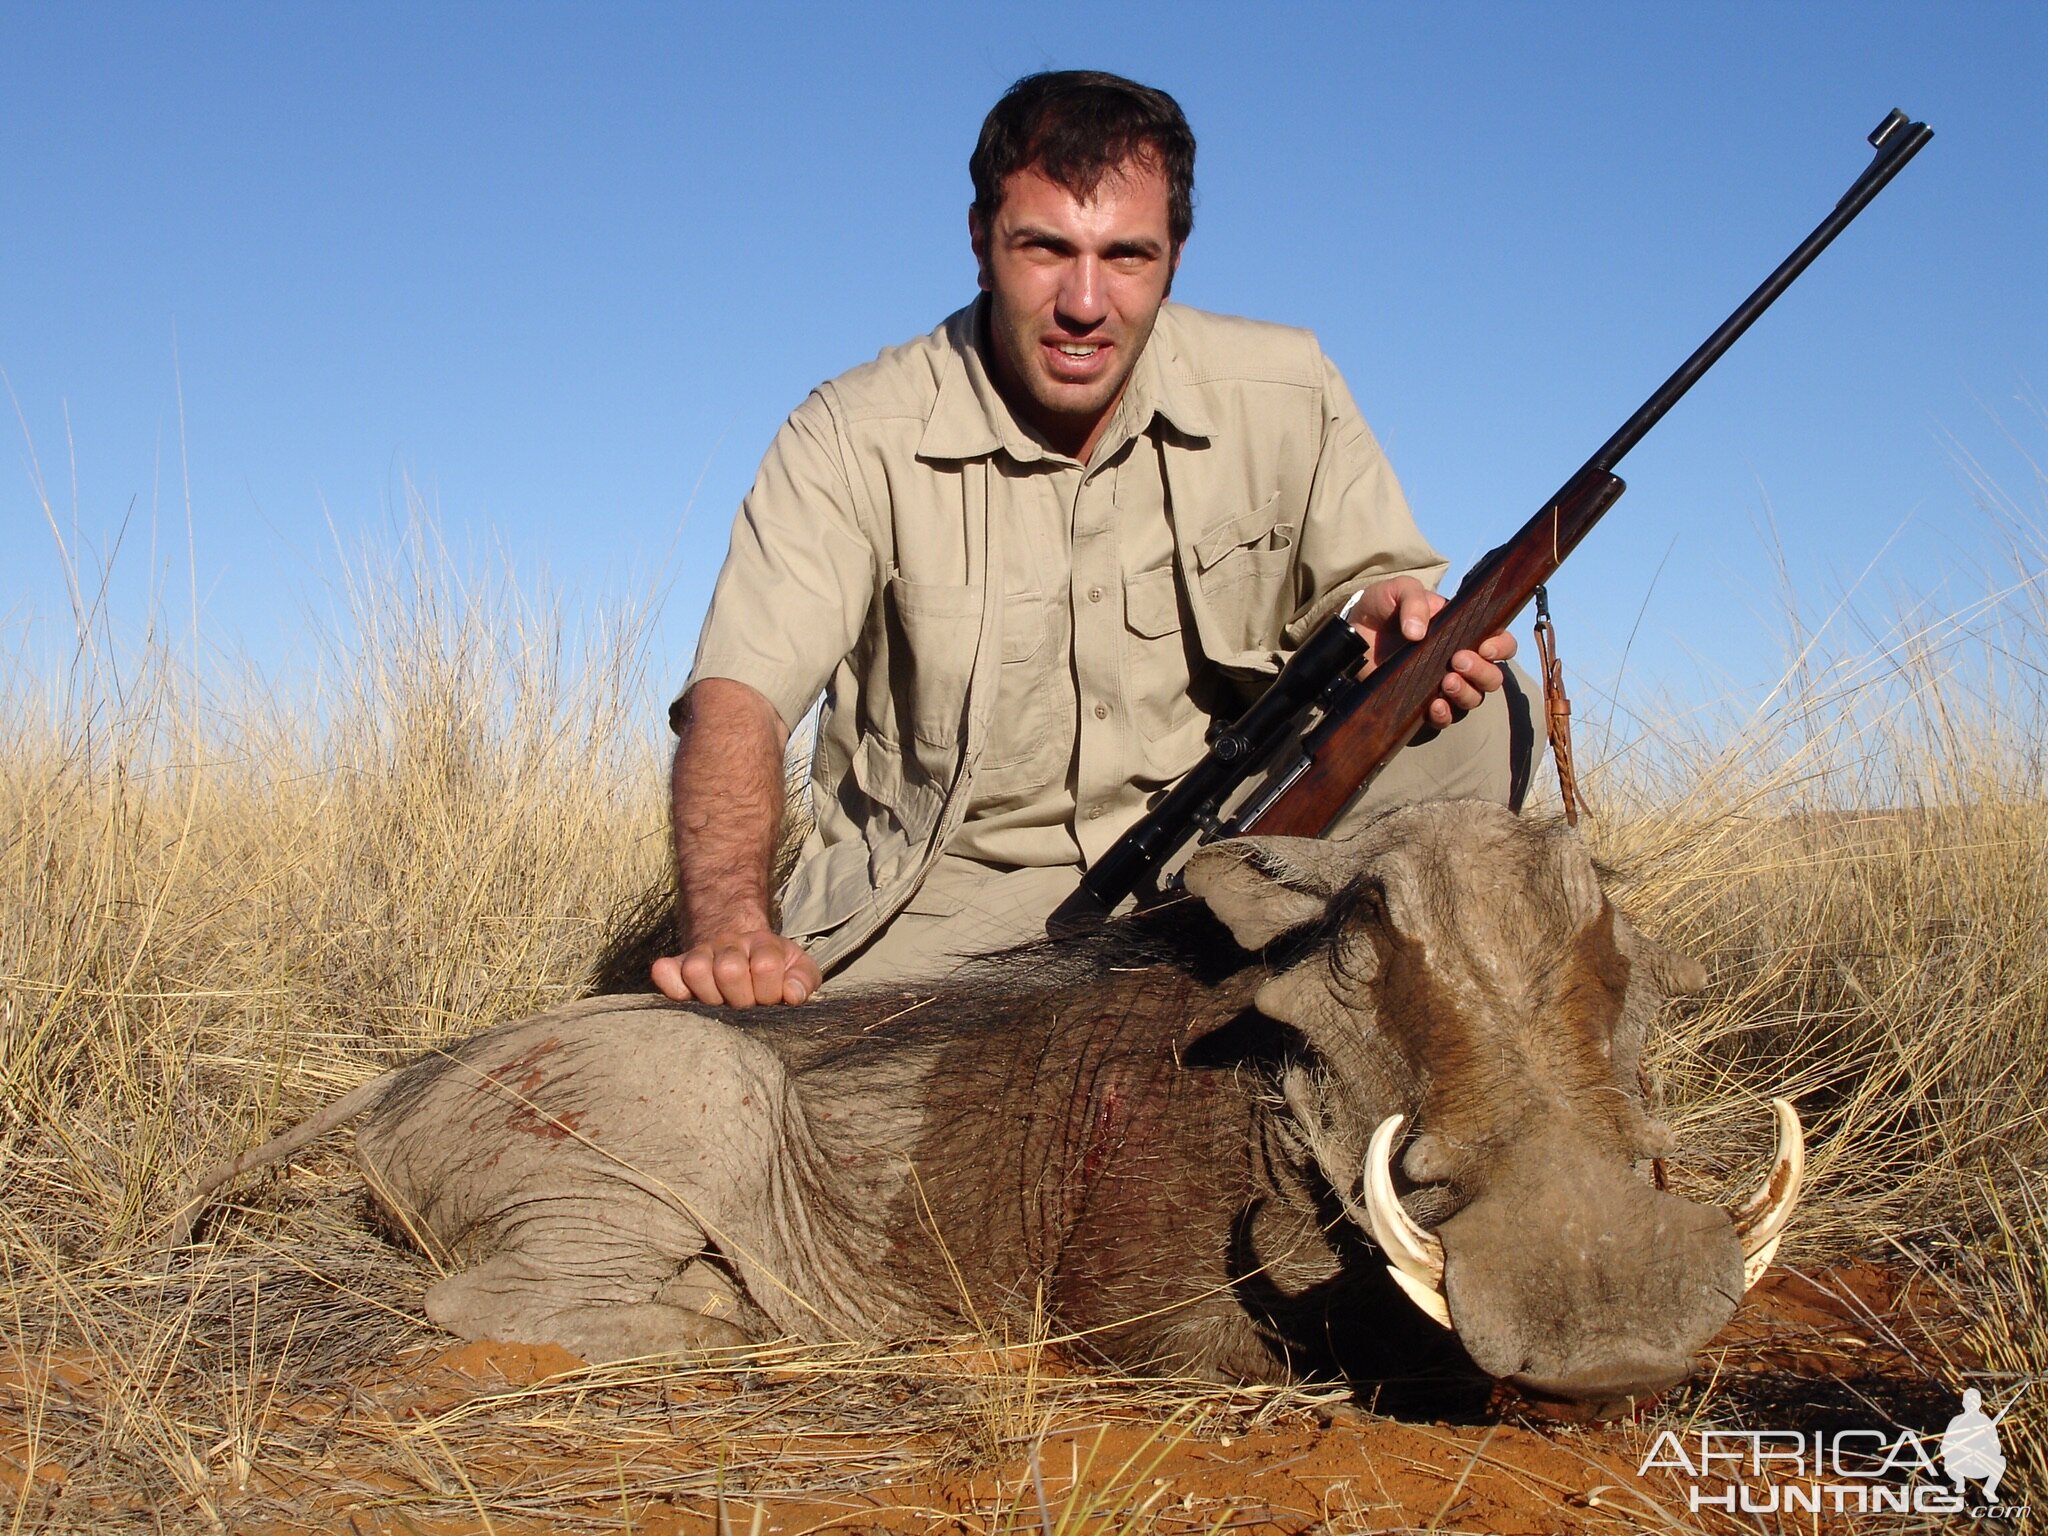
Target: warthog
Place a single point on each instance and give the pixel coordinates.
(1178, 1136)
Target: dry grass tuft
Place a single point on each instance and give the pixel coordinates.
(224, 899)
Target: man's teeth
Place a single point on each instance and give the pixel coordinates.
(1076, 349)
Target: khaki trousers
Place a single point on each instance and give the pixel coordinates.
(965, 909)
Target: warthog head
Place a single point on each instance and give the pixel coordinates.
(1469, 980)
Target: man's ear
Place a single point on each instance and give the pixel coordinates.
(1173, 269)
(977, 238)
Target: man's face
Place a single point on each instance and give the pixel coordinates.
(1074, 289)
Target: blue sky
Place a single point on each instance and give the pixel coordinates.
(566, 268)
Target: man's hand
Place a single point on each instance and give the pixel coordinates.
(1405, 602)
(728, 789)
(739, 970)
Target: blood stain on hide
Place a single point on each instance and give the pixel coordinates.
(1104, 1133)
(499, 1080)
(533, 1122)
(527, 1068)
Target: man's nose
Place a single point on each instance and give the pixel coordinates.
(1083, 302)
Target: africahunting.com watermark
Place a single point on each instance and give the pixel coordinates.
(1958, 1471)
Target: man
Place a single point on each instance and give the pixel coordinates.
(1028, 558)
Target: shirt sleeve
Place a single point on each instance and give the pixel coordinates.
(798, 577)
(1357, 528)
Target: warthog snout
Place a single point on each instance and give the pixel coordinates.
(1572, 1281)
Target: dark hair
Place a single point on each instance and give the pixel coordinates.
(1079, 125)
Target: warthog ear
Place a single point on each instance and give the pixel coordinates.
(1675, 974)
(1305, 997)
(1261, 887)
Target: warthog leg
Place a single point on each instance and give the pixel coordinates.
(617, 1178)
(515, 1297)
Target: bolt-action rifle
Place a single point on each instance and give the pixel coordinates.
(1359, 722)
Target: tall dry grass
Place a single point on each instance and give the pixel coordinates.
(229, 892)
(222, 897)
(1861, 858)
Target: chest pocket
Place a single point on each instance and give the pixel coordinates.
(1246, 570)
(1031, 732)
(933, 629)
(1251, 546)
(1156, 660)
(1023, 709)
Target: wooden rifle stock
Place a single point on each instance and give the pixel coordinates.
(1368, 723)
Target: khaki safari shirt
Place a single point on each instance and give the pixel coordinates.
(1019, 652)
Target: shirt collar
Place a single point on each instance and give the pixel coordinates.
(969, 417)
(1165, 373)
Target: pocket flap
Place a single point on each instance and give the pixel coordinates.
(934, 600)
(879, 770)
(1152, 603)
(826, 889)
(1244, 529)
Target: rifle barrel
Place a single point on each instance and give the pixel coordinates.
(1896, 141)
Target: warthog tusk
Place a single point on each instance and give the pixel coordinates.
(1760, 1220)
(1417, 1258)
(1431, 1302)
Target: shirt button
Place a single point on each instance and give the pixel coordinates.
(1102, 711)
(1094, 813)
(1095, 594)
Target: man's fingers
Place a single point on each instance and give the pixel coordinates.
(1472, 667)
(768, 962)
(1459, 694)
(1376, 604)
(667, 976)
(1416, 612)
(738, 971)
(678, 977)
(1400, 605)
(1465, 687)
(1405, 602)
(695, 970)
(732, 971)
(1383, 602)
(801, 979)
(782, 971)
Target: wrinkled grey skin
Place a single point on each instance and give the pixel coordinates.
(1152, 1149)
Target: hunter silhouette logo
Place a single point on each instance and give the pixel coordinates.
(1970, 1448)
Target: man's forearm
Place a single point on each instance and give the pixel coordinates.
(727, 792)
